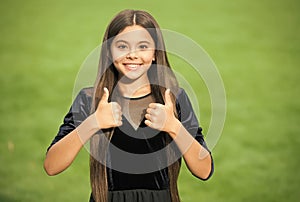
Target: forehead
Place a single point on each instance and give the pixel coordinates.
(134, 33)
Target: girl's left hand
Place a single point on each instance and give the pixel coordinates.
(161, 117)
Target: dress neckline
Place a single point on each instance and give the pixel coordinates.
(136, 98)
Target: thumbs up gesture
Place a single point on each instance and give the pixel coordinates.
(161, 117)
(108, 114)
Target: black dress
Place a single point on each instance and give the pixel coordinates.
(137, 165)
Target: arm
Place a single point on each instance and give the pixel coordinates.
(61, 154)
(196, 156)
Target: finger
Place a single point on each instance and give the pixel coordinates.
(105, 96)
(118, 120)
(117, 113)
(150, 111)
(120, 114)
(148, 123)
(116, 106)
(148, 117)
(119, 123)
(168, 98)
(155, 105)
(152, 105)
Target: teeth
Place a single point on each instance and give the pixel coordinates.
(132, 66)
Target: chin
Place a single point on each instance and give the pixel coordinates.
(131, 76)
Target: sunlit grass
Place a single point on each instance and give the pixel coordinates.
(255, 45)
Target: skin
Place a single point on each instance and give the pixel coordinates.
(161, 117)
(133, 53)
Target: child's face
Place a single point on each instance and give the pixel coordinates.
(133, 52)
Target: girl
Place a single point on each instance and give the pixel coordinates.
(138, 121)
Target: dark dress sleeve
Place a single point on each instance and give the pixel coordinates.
(77, 113)
(189, 120)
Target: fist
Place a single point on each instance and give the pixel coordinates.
(161, 117)
(108, 114)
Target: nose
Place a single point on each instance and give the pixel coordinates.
(132, 55)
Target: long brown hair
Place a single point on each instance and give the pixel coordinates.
(160, 78)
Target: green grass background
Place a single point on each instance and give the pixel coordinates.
(255, 45)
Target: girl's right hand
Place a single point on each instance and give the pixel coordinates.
(108, 114)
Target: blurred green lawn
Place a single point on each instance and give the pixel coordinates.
(255, 45)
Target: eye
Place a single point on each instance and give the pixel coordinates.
(143, 46)
(122, 46)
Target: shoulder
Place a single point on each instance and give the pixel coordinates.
(181, 101)
(184, 107)
(83, 100)
(87, 92)
(180, 92)
(182, 97)
(185, 112)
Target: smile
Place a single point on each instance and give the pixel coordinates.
(132, 66)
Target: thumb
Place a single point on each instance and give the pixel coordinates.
(168, 99)
(105, 96)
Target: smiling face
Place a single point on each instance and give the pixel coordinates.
(133, 52)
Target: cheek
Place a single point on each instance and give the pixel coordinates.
(148, 56)
(118, 55)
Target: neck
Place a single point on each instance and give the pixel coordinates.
(134, 88)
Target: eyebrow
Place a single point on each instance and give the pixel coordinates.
(124, 41)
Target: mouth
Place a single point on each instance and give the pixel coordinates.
(132, 66)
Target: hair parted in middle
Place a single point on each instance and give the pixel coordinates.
(161, 77)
